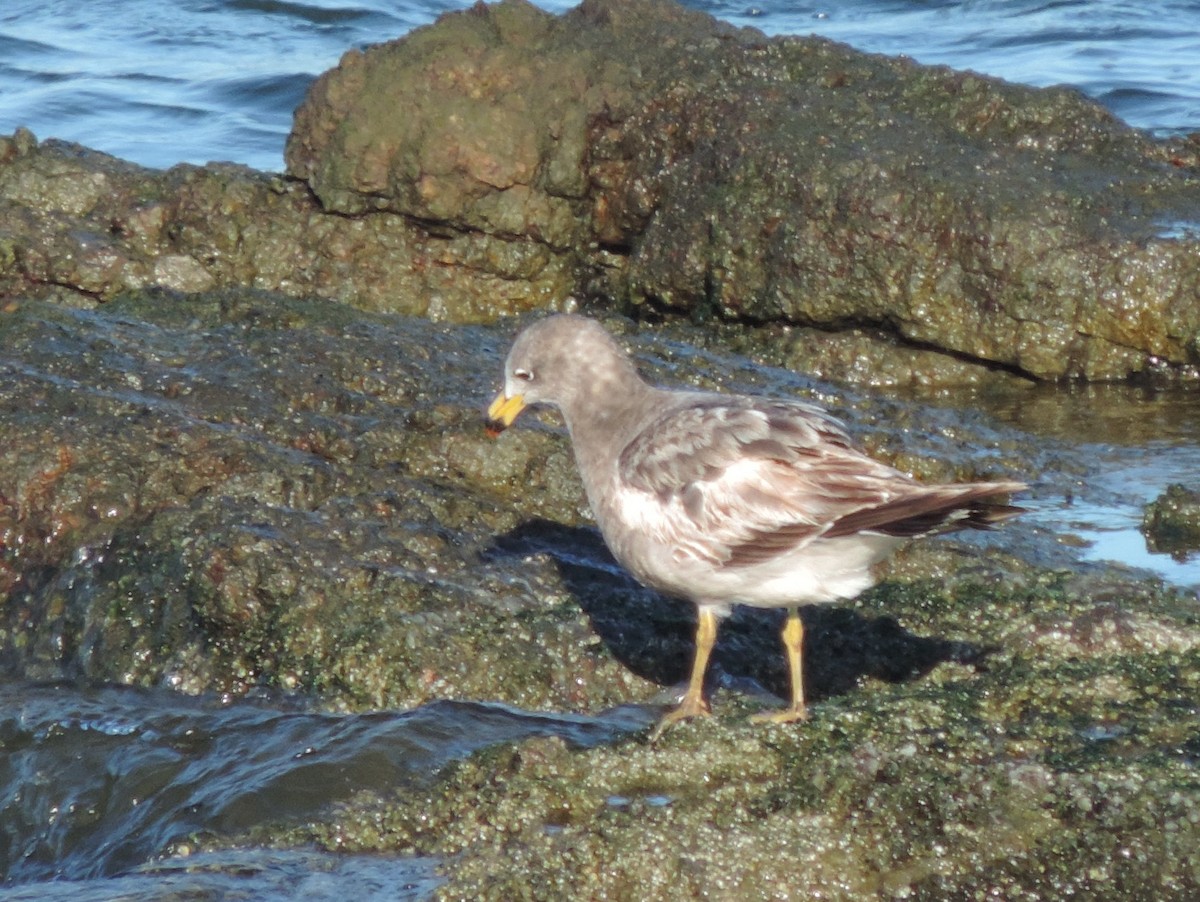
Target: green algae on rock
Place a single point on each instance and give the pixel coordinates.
(81, 228)
(163, 524)
(649, 156)
(232, 491)
(786, 180)
(1171, 522)
(1028, 777)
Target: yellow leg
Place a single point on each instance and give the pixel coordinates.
(793, 642)
(693, 704)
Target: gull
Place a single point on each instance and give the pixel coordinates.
(725, 499)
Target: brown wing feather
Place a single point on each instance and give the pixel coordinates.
(699, 441)
(757, 480)
(925, 511)
(751, 481)
(933, 509)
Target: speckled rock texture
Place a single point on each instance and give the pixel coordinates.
(687, 165)
(638, 155)
(80, 227)
(237, 492)
(1171, 521)
(235, 489)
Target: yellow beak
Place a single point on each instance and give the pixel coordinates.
(502, 412)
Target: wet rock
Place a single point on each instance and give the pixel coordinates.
(233, 490)
(227, 491)
(80, 227)
(1171, 522)
(1014, 777)
(696, 168)
(239, 492)
(648, 157)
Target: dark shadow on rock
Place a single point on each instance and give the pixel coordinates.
(653, 634)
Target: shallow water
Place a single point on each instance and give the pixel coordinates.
(1138, 440)
(95, 782)
(199, 80)
(263, 875)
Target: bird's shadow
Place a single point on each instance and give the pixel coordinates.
(653, 634)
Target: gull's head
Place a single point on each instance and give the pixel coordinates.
(556, 361)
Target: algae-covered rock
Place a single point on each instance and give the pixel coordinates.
(1171, 521)
(80, 228)
(653, 159)
(236, 492)
(1036, 773)
(696, 168)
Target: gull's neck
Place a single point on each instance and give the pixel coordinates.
(604, 416)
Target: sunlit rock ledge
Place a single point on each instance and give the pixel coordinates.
(641, 156)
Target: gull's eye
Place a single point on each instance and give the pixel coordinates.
(523, 375)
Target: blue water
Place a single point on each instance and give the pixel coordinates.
(167, 81)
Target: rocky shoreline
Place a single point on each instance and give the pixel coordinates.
(244, 450)
(665, 163)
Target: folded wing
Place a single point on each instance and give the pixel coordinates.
(740, 481)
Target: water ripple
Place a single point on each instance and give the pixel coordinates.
(98, 781)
